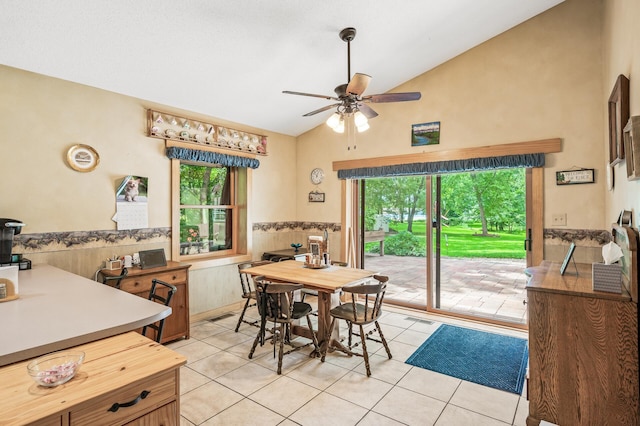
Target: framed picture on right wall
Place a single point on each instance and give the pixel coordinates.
(618, 117)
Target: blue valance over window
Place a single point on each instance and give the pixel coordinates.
(441, 167)
(212, 157)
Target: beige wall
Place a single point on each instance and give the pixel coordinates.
(542, 79)
(621, 35)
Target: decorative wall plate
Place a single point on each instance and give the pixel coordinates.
(82, 158)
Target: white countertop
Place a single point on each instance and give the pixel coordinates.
(57, 310)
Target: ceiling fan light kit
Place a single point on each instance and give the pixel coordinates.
(350, 102)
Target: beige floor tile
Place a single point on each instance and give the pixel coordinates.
(226, 339)
(196, 350)
(205, 329)
(190, 379)
(248, 379)
(453, 415)
(285, 395)
(207, 401)
(412, 337)
(409, 407)
(218, 364)
(185, 422)
(245, 412)
(359, 389)
(242, 350)
(490, 402)
(396, 319)
(430, 383)
(326, 409)
(289, 362)
(521, 412)
(320, 375)
(383, 368)
(343, 360)
(400, 351)
(374, 419)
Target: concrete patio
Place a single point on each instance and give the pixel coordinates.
(484, 288)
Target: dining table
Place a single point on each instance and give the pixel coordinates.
(327, 280)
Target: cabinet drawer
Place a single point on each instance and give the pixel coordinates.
(142, 284)
(161, 390)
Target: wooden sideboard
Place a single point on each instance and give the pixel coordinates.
(138, 282)
(116, 370)
(583, 350)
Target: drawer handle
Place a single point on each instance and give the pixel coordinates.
(115, 407)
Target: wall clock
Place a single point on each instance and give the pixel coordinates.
(82, 158)
(317, 176)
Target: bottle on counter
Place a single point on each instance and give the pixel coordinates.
(3, 291)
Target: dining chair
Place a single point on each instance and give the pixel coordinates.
(248, 292)
(277, 305)
(363, 308)
(115, 281)
(165, 300)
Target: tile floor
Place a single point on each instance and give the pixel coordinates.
(221, 386)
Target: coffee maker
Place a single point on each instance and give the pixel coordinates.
(9, 228)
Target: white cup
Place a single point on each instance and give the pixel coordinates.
(128, 261)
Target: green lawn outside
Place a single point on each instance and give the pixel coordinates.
(460, 241)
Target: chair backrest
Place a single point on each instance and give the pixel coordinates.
(275, 300)
(245, 279)
(339, 263)
(165, 300)
(115, 281)
(369, 297)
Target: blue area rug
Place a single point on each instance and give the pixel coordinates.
(485, 358)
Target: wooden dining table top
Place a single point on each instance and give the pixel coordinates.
(331, 278)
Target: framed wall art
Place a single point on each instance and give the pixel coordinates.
(316, 197)
(618, 117)
(571, 177)
(425, 133)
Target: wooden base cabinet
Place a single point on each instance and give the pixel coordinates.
(125, 380)
(138, 282)
(583, 351)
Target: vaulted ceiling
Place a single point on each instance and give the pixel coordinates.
(233, 59)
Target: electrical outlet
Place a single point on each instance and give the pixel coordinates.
(559, 219)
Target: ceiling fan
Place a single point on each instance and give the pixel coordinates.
(349, 97)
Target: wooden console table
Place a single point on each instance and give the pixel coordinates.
(138, 282)
(116, 370)
(583, 350)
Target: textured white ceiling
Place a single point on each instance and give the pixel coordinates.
(232, 59)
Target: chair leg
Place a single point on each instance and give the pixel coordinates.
(363, 338)
(246, 305)
(281, 351)
(255, 344)
(350, 332)
(313, 335)
(325, 345)
(384, 341)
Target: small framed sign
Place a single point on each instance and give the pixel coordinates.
(316, 197)
(567, 258)
(571, 177)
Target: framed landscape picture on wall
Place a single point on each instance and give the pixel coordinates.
(425, 134)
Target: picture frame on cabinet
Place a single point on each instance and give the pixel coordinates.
(618, 107)
(567, 259)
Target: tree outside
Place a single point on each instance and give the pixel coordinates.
(482, 214)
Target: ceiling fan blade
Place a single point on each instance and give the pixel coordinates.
(358, 84)
(393, 97)
(367, 111)
(332, 98)
(321, 109)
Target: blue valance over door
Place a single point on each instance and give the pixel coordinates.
(441, 167)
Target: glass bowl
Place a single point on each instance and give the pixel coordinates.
(56, 368)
